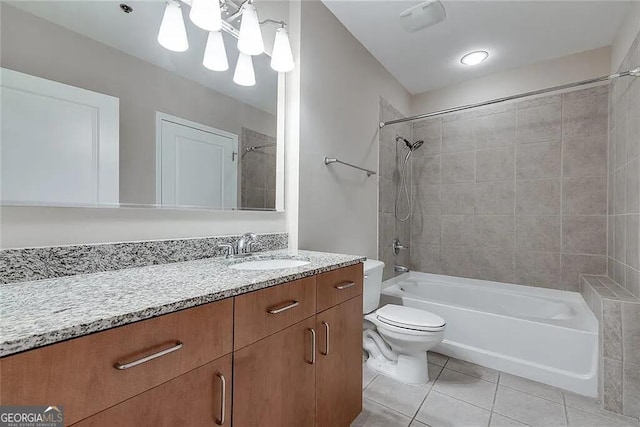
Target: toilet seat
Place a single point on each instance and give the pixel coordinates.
(411, 318)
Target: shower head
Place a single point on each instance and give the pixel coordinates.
(416, 145)
(410, 146)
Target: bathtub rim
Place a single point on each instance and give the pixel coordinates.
(571, 297)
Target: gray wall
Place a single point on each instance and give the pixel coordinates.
(624, 176)
(38, 47)
(341, 83)
(514, 193)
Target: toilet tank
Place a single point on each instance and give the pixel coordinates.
(372, 284)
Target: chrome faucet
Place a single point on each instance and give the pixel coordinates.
(245, 242)
(244, 246)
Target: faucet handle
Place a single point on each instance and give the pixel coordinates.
(253, 246)
(229, 247)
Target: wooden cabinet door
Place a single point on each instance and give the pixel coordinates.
(274, 379)
(339, 368)
(196, 398)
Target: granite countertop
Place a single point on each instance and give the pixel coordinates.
(37, 313)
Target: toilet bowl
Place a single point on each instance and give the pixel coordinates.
(396, 338)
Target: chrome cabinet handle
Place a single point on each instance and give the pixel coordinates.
(223, 398)
(326, 339)
(282, 307)
(345, 285)
(313, 346)
(122, 366)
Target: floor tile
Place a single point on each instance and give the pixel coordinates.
(588, 404)
(529, 409)
(437, 358)
(498, 420)
(374, 415)
(474, 370)
(368, 375)
(393, 394)
(440, 410)
(416, 423)
(465, 387)
(531, 387)
(434, 372)
(580, 418)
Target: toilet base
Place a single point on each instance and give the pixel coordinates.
(411, 369)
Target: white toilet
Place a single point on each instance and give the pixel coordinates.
(400, 336)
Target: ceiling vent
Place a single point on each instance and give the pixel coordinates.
(422, 16)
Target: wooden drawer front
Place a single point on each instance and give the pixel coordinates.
(80, 373)
(339, 285)
(193, 399)
(264, 312)
(274, 380)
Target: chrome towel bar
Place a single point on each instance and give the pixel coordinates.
(329, 160)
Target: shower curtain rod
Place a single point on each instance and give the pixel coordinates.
(635, 73)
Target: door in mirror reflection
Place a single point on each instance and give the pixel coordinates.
(197, 165)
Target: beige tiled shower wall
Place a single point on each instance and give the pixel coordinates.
(258, 171)
(515, 192)
(390, 162)
(624, 176)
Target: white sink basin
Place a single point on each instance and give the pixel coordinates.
(269, 264)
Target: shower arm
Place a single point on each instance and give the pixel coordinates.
(631, 73)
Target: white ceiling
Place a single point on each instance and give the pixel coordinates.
(136, 34)
(515, 33)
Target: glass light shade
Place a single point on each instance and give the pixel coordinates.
(282, 58)
(215, 54)
(250, 39)
(173, 34)
(474, 58)
(206, 14)
(244, 74)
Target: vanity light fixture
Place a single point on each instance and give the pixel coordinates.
(474, 58)
(282, 58)
(173, 34)
(244, 74)
(250, 40)
(207, 14)
(215, 54)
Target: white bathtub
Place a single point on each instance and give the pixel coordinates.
(545, 335)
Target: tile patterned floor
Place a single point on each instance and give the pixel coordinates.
(462, 394)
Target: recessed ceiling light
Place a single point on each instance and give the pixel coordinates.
(474, 58)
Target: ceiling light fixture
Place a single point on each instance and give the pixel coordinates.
(475, 57)
(173, 34)
(207, 14)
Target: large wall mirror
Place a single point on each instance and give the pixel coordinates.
(97, 112)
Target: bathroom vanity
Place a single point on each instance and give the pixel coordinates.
(202, 344)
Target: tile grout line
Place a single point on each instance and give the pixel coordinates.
(495, 396)
(427, 395)
(566, 414)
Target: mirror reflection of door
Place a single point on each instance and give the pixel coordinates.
(197, 165)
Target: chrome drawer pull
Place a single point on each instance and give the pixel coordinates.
(326, 339)
(345, 285)
(223, 398)
(279, 309)
(122, 366)
(313, 346)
